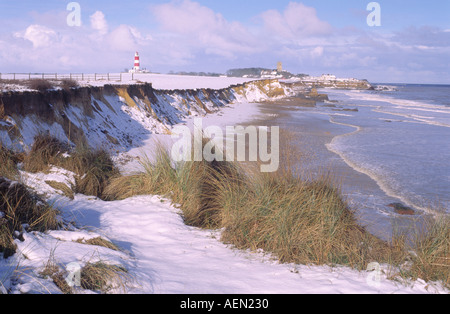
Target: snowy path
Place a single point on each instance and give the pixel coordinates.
(171, 258)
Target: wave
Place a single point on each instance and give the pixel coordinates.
(382, 180)
(432, 114)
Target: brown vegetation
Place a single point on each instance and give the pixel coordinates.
(19, 207)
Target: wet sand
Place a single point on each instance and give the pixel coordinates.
(310, 132)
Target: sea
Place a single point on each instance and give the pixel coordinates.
(396, 137)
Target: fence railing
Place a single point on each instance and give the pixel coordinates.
(117, 77)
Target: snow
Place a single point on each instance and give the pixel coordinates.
(159, 81)
(171, 82)
(161, 253)
(172, 258)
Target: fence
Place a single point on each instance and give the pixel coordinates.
(117, 77)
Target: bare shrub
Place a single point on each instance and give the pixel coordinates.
(40, 85)
(68, 84)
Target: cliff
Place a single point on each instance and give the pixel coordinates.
(117, 117)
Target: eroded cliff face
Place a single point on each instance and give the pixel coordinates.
(116, 116)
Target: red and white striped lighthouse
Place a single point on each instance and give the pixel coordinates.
(137, 65)
(137, 62)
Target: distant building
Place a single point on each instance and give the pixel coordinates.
(279, 67)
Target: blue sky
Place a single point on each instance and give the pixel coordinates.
(412, 44)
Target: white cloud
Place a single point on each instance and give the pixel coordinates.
(198, 28)
(317, 52)
(40, 36)
(298, 21)
(98, 23)
(127, 38)
(187, 17)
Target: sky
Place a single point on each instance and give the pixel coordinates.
(410, 44)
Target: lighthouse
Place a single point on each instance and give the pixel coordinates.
(137, 63)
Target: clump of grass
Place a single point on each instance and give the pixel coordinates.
(8, 162)
(123, 187)
(93, 168)
(64, 188)
(18, 207)
(158, 177)
(430, 258)
(300, 222)
(103, 277)
(202, 185)
(192, 185)
(46, 150)
(99, 241)
(57, 275)
(7, 245)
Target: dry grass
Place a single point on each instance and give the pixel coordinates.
(7, 245)
(8, 162)
(63, 188)
(300, 222)
(104, 277)
(202, 198)
(40, 85)
(430, 259)
(68, 84)
(53, 271)
(20, 207)
(45, 151)
(93, 168)
(99, 241)
(158, 177)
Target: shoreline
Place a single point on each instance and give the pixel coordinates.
(372, 205)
